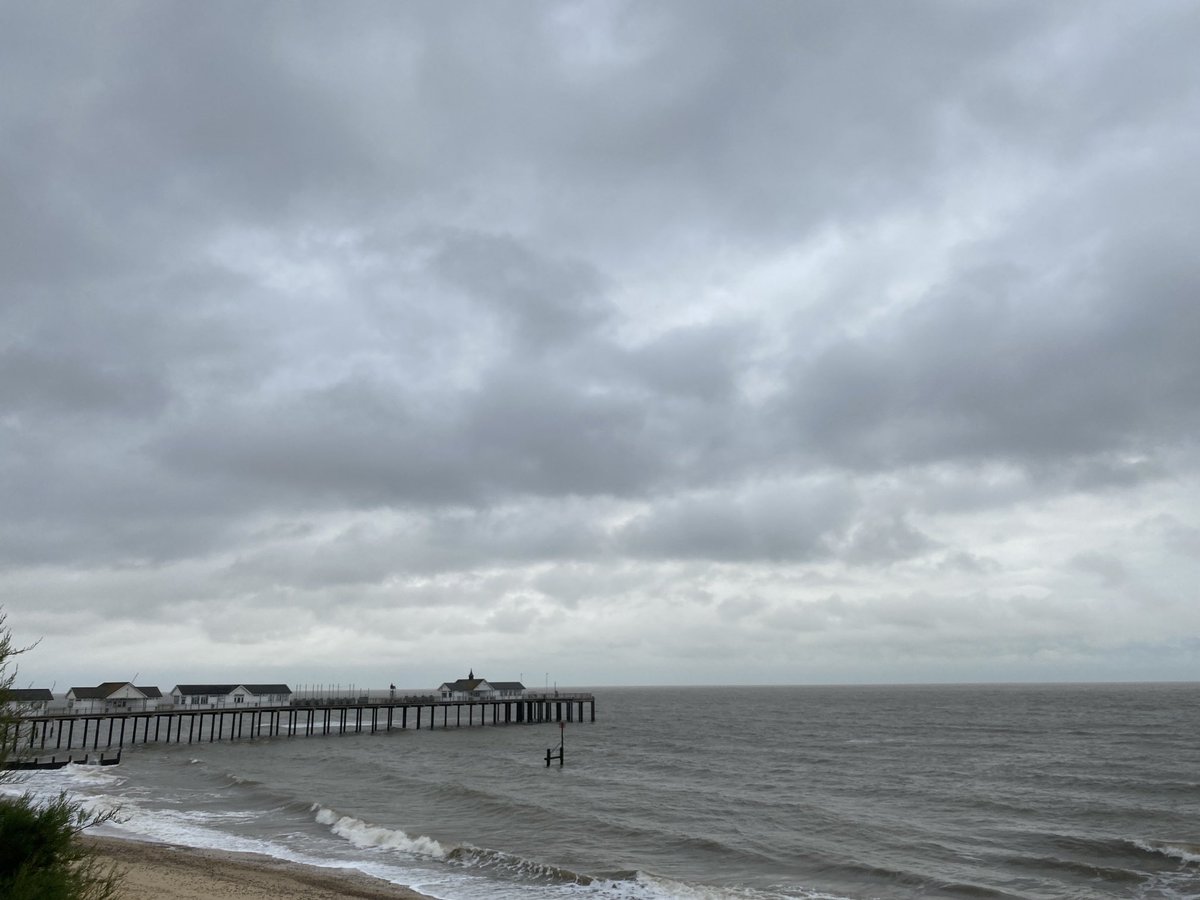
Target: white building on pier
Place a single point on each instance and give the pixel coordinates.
(113, 697)
(230, 696)
(472, 688)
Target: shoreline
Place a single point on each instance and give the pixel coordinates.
(164, 871)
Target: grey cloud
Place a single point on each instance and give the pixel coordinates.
(734, 609)
(357, 441)
(545, 435)
(474, 310)
(706, 362)
(380, 550)
(997, 365)
(970, 563)
(1179, 536)
(547, 301)
(881, 540)
(33, 378)
(577, 584)
(768, 522)
(1108, 568)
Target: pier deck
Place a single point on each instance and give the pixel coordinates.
(33, 735)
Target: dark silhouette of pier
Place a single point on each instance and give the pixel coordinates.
(33, 735)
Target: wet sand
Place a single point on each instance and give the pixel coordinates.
(173, 872)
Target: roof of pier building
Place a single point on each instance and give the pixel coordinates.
(189, 690)
(464, 684)
(108, 688)
(29, 695)
(474, 685)
(192, 689)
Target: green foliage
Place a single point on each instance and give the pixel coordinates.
(41, 855)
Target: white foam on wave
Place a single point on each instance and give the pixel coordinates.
(367, 836)
(542, 880)
(87, 785)
(96, 790)
(639, 886)
(1181, 850)
(45, 791)
(655, 887)
(194, 828)
(69, 776)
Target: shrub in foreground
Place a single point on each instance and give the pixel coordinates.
(41, 856)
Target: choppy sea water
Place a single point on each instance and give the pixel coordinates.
(1045, 791)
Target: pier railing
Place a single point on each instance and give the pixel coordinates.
(33, 736)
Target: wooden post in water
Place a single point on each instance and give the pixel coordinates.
(562, 742)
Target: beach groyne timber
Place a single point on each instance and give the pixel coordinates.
(32, 735)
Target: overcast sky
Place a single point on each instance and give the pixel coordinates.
(600, 342)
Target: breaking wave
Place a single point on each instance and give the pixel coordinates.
(513, 865)
(367, 836)
(1182, 850)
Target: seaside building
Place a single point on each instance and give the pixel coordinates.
(28, 701)
(472, 688)
(221, 696)
(504, 690)
(113, 696)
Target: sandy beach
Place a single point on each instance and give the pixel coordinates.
(173, 872)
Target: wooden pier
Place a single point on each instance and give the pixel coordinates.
(34, 735)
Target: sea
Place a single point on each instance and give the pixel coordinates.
(969, 791)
